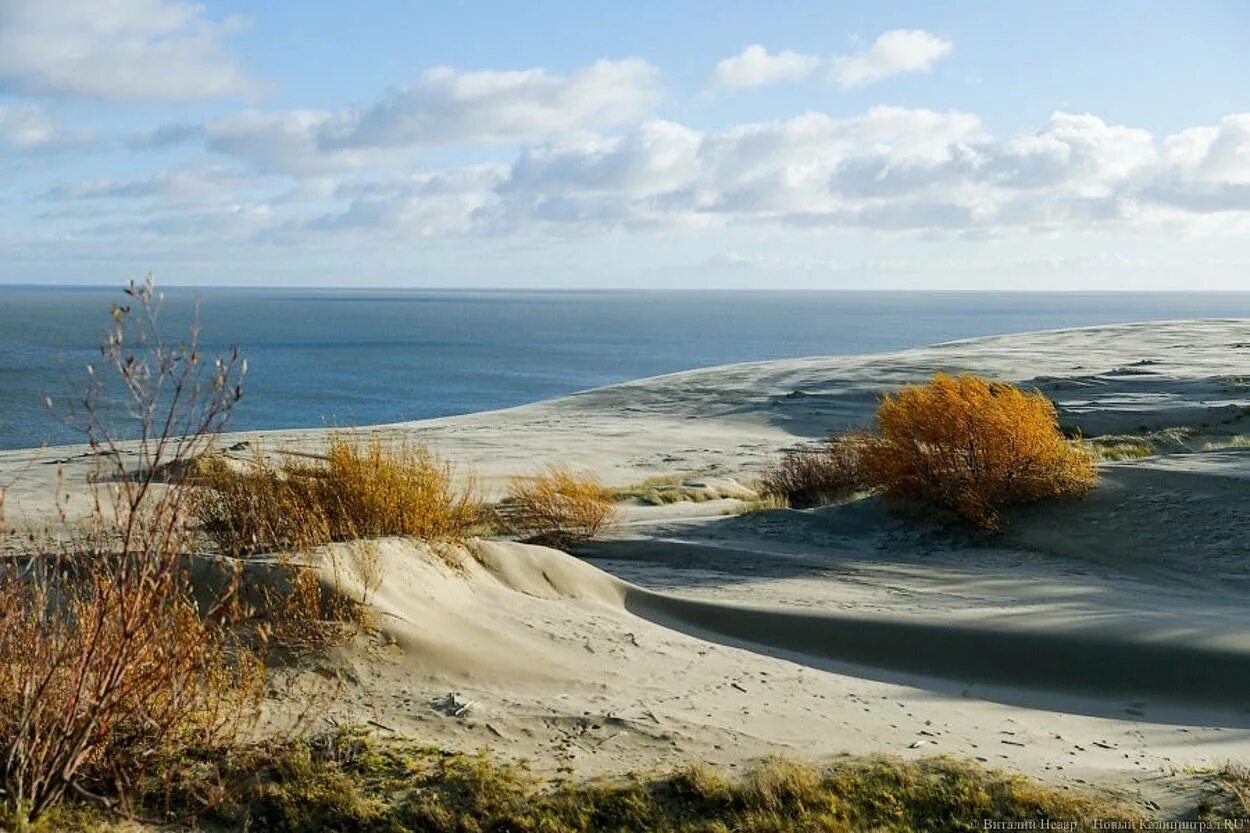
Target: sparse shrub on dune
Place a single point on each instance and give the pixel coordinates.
(362, 489)
(973, 447)
(558, 507)
(111, 661)
(818, 475)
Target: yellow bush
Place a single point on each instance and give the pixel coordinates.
(361, 490)
(974, 447)
(558, 506)
(370, 490)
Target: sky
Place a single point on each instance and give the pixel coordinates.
(717, 144)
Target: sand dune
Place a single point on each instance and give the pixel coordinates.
(1102, 640)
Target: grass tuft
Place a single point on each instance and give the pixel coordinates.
(362, 489)
(558, 507)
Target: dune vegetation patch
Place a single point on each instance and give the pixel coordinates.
(1117, 448)
(1230, 797)
(557, 507)
(363, 488)
(663, 489)
(973, 447)
(964, 445)
(113, 658)
(818, 475)
(351, 780)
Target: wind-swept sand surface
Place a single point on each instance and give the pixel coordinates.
(1101, 641)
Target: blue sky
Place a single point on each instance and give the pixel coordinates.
(709, 144)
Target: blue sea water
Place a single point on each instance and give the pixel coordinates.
(357, 357)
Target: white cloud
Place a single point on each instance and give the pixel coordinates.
(196, 187)
(891, 169)
(26, 127)
(157, 50)
(287, 142)
(894, 52)
(423, 205)
(444, 107)
(447, 106)
(888, 168)
(755, 67)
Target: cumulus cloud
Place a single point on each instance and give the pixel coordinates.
(889, 168)
(156, 50)
(893, 169)
(444, 107)
(894, 52)
(755, 67)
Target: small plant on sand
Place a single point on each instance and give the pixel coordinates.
(110, 659)
(973, 447)
(362, 489)
(818, 475)
(558, 507)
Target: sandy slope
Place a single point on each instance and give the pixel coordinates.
(1105, 640)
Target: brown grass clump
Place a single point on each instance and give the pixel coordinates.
(558, 507)
(820, 475)
(362, 489)
(973, 447)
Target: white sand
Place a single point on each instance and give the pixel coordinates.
(1103, 641)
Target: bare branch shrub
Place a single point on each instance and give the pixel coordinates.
(558, 507)
(108, 658)
(820, 475)
(973, 447)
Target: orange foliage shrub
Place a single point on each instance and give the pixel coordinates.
(973, 447)
(558, 507)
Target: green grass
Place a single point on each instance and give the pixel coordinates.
(351, 781)
(1117, 448)
(665, 489)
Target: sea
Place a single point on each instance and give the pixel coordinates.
(353, 357)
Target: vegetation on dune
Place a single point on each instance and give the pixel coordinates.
(662, 490)
(362, 489)
(1230, 798)
(973, 447)
(1118, 448)
(962, 444)
(557, 507)
(126, 686)
(818, 475)
(349, 780)
(109, 656)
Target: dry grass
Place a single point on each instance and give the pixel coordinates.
(363, 489)
(973, 447)
(558, 507)
(1230, 798)
(819, 475)
(351, 781)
